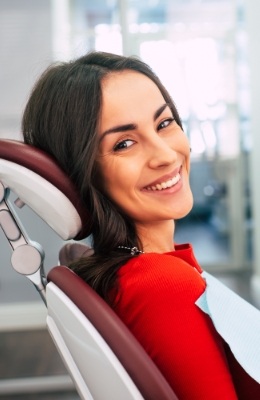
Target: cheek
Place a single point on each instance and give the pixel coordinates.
(183, 148)
(185, 144)
(111, 177)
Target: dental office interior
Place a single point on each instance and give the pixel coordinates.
(207, 54)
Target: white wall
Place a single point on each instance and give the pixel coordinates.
(253, 27)
(25, 50)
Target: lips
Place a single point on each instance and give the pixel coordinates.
(165, 182)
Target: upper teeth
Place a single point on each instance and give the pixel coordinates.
(166, 184)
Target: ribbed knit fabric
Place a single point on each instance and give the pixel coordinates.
(156, 300)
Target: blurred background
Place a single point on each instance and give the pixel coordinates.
(207, 54)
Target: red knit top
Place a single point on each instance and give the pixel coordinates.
(156, 300)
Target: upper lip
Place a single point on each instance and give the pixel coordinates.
(164, 178)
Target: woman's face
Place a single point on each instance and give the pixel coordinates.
(144, 156)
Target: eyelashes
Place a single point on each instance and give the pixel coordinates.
(127, 142)
(123, 144)
(165, 123)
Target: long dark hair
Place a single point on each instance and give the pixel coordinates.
(61, 117)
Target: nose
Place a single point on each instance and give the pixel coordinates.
(160, 153)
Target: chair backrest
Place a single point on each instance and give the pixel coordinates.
(40, 183)
(100, 342)
(103, 357)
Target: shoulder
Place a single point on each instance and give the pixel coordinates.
(146, 265)
(155, 263)
(151, 260)
(159, 272)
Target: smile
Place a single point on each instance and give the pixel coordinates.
(165, 185)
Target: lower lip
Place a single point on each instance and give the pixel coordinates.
(175, 188)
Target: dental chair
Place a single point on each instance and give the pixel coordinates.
(102, 357)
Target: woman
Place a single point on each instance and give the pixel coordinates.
(114, 129)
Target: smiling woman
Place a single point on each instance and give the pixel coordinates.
(114, 129)
(144, 158)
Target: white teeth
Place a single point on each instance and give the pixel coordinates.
(165, 185)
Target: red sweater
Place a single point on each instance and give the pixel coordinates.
(156, 300)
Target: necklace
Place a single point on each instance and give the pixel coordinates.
(133, 250)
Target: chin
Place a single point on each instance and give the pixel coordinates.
(185, 209)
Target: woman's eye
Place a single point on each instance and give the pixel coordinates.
(165, 123)
(123, 144)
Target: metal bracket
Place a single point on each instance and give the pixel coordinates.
(28, 256)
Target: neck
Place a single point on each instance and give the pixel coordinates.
(157, 237)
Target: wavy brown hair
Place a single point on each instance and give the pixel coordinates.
(62, 117)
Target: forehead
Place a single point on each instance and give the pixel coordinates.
(129, 93)
(128, 82)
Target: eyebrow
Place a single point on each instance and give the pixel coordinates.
(131, 127)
